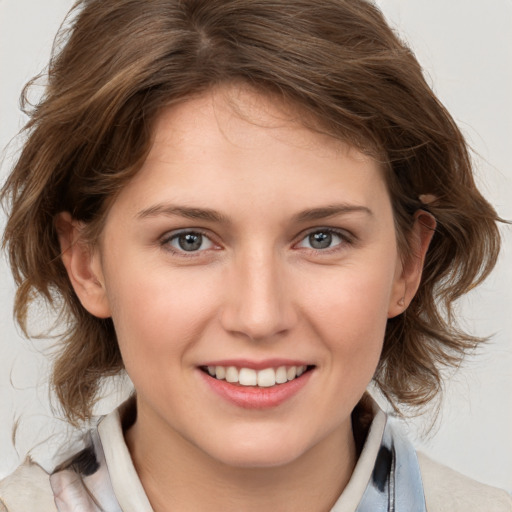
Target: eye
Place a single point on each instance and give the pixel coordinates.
(188, 241)
(322, 239)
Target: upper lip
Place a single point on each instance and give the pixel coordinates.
(257, 365)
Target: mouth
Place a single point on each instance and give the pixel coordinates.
(265, 378)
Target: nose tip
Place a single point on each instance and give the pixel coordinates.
(258, 305)
(255, 322)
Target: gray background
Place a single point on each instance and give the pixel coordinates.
(465, 46)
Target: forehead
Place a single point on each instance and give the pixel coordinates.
(233, 146)
(246, 118)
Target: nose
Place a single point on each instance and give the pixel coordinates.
(258, 304)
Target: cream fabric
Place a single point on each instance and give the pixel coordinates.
(27, 490)
(125, 482)
(449, 491)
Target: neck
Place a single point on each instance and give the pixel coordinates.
(177, 475)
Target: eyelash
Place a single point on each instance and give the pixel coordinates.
(165, 242)
(345, 239)
(167, 239)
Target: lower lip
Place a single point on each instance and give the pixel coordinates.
(252, 397)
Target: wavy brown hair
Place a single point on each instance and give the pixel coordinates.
(118, 63)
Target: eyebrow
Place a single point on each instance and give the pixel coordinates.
(330, 211)
(170, 210)
(210, 215)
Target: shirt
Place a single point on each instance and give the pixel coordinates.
(388, 477)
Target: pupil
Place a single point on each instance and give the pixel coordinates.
(190, 241)
(320, 240)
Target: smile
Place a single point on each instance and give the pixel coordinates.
(256, 385)
(264, 378)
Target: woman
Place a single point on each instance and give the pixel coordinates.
(255, 209)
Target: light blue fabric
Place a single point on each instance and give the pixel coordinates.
(395, 485)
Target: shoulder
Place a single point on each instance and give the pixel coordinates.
(447, 490)
(28, 488)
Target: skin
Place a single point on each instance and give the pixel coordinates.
(256, 289)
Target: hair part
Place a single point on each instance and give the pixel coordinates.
(119, 63)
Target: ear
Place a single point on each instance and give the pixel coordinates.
(83, 265)
(409, 270)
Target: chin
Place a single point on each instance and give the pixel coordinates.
(257, 453)
(256, 459)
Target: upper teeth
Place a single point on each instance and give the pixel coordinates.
(263, 378)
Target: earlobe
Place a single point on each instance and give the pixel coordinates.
(408, 277)
(83, 266)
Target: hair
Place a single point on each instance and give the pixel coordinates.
(117, 64)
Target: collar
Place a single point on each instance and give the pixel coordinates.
(102, 477)
(387, 475)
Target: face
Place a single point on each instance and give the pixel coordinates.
(249, 268)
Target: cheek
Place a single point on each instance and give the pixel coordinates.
(350, 311)
(158, 313)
